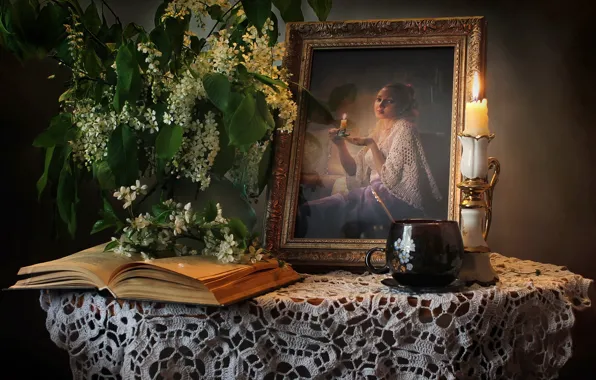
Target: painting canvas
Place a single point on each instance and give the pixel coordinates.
(395, 107)
(380, 105)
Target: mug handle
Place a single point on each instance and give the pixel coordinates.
(370, 266)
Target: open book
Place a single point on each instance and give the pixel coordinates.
(187, 279)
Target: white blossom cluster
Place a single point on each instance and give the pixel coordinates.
(76, 45)
(184, 93)
(129, 194)
(226, 250)
(152, 72)
(96, 124)
(148, 234)
(180, 8)
(222, 56)
(200, 145)
(265, 60)
(152, 58)
(258, 57)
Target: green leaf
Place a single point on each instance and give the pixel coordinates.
(66, 198)
(162, 42)
(56, 133)
(215, 12)
(218, 89)
(161, 212)
(23, 20)
(5, 15)
(123, 156)
(91, 18)
(317, 111)
(175, 29)
(237, 228)
(290, 10)
(104, 176)
(51, 21)
(74, 5)
(265, 168)
(238, 31)
(273, 83)
(132, 30)
(111, 245)
(63, 52)
(321, 8)
(264, 110)
(98, 92)
(159, 12)
(159, 208)
(115, 35)
(196, 44)
(210, 212)
(110, 219)
(128, 87)
(101, 225)
(160, 169)
(227, 153)
(168, 141)
(273, 34)
(246, 126)
(91, 62)
(257, 11)
(43, 180)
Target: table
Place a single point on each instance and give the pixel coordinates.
(338, 325)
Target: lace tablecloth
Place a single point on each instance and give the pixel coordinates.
(338, 325)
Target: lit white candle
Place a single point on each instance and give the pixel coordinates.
(476, 122)
(344, 121)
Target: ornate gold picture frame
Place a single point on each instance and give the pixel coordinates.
(406, 52)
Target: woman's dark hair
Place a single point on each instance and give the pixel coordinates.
(404, 96)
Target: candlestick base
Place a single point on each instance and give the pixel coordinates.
(477, 269)
(342, 133)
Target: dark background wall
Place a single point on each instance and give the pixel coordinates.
(540, 84)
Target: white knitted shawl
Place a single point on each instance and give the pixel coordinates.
(405, 169)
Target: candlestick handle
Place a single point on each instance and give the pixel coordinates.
(493, 164)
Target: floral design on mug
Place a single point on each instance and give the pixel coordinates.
(403, 247)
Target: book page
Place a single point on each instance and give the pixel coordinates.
(93, 263)
(204, 268)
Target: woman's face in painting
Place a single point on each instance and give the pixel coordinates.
(385, 106)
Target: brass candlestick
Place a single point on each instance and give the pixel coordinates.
(476, 207)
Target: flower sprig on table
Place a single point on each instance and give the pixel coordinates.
(159, 233)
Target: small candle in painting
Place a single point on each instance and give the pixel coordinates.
(343, 126)
(476, 122)
(344, 121)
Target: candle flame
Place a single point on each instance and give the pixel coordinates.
(476, 87)
(344, 116)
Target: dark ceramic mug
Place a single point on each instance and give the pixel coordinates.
(421, 252)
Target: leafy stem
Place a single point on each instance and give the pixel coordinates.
(86, 74)
(94, 37)
(222, 17)
(104, 2)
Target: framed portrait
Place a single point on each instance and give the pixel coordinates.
(380, 104)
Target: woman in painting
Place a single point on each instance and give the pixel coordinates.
(391, 162)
